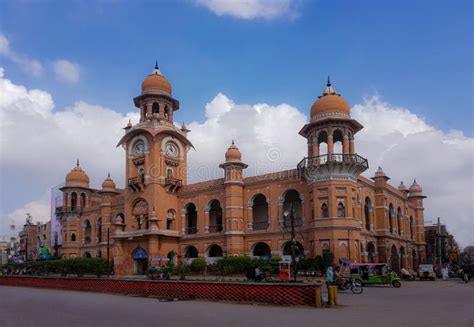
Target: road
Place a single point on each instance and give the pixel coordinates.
(449, 303)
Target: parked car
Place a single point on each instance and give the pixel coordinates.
(426, 272)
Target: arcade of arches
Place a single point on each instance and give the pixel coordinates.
(158, 217)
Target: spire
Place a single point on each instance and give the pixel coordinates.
(233, 143)
(156, 64)
(77, 163)
(108, 175)
(156, 69)
(329, 89)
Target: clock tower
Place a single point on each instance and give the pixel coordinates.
(156, 162)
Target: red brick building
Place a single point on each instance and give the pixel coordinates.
(159, 215)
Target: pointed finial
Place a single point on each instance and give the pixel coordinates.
(77, 163)
(329, 82)
(108, 175)
(156, 64)
(233, 143)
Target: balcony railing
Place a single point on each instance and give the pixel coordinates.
(323, 159)
(173, 183)
(191, 230)
(260, 225)
(215, 228)
(68, 209)
(135, 183)
(298, 222)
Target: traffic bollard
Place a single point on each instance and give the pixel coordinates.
(318, 298)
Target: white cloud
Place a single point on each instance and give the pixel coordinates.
(251, 9)
(66, 71)
(393, 137)
(29, 65)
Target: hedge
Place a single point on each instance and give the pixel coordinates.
(74, 266)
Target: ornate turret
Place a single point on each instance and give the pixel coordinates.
(109, 185)
(416, 190)
(233, 166)
(331, 124)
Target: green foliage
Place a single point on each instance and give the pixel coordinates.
(198, 265)
(181, 270)
(234, 265)
(74, 266)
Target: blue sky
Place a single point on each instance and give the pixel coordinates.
(416, 53)
(405, 66)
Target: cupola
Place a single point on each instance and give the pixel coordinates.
(330, 105)
(156, 83)
(233, 153)
(77, 177)
(108, 185)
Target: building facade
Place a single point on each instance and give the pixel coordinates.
(159, 216)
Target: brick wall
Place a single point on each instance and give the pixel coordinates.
(279, 294)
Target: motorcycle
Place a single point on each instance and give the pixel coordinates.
(344, 284)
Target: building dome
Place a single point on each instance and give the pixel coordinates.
(108, 184)
(330, 104)
(77, 177)
(233, 153)
(415, 188)
(402, 187)
(156, 83)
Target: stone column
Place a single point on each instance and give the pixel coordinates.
(345, 144)
(330, 144)
(351, 146)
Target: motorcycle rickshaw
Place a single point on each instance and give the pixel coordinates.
(374, 274)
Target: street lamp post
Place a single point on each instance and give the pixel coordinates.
(291, 215)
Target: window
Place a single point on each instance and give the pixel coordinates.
(390, 217)
(260, 212)
(155, 109)
(170, 219)
(399, 221)
(324, 210)
(73, 237)
(83, 200)
(73, 201)
(215, 217)
(191, 219)
(341, 210)
(367, 209)
(87, 231)
(293, 201)
(99, 230)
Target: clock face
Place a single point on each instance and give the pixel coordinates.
(171, 150)
(139, 148)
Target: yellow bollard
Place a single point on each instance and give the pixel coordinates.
(331, 295)
(335, 295)
(317, 295)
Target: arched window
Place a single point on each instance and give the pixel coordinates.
(83, 200)
(390, 217)
(412, 234)
(215, 216)
(323, 143)
(99, 230)
(324, 210)
(292, 201)
(338, 137)
(166, 112)
(262, 250)
(155, 109)
(191, 219)
(140, 212)
(370, 252)
(341, 210)
(170, 219)
(367, 209)
(299, 250)
(215, 251)
(147, 222)
(399, 220)
(260, 212)
(73, 237)
(191, 252)
(87, 231)
(73, 201)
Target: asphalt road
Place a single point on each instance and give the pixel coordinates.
(449, 303)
